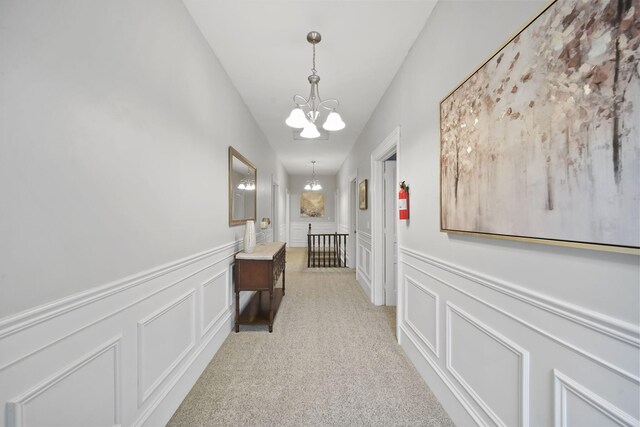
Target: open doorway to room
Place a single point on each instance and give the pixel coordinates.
(353, 227)
(390, 232)
(384, 247)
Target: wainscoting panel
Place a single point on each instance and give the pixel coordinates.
(508, 350)
(421, 313)
(363, 266)
(575, 405)
(164, 340)
(125, 353)
(65, 399)
(299, 230)
(501, 387)
(216, 295)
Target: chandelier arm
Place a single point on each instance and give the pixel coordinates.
(324, 103)
(296, 98)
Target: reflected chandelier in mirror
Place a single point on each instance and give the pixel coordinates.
(242, 188)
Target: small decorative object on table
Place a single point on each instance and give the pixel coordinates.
(250, 237)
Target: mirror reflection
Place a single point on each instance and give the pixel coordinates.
(242, 188)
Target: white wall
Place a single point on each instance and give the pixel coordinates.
(300, 225)
(115, 118)
(495, 326)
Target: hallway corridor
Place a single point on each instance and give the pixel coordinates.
(332, 359)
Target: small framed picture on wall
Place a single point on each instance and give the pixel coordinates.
(363, 194)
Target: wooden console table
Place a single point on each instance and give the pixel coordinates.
(259, 271)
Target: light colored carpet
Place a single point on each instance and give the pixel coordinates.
(332, 359)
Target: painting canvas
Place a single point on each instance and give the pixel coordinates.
(543, 140)
(362, 193)
(311, 204)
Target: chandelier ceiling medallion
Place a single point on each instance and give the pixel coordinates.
(313, 184)
(307, 110)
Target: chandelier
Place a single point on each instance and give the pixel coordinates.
(313, 184)
(307, 110)
(247, 183)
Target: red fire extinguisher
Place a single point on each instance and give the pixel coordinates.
(403, 201)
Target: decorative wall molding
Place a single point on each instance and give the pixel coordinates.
(616, 328)
(164, 392)
(204, 329)
(363, 235)
(563, 385)
(363, 262)
(17, 407)
(36, 315)
(616, 369)
(145, 391)
(109, 315)
(522, 354)
(445, 379)
(58, 333)
(435, 346)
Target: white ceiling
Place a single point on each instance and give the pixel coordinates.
(262, 46)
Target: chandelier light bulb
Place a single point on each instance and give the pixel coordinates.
(334, 122)
(307, 187)
(310, 131)
(297, 119)
(316, 187)
(241, 186)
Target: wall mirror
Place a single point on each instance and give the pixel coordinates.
(242, 188)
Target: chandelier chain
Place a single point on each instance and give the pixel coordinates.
(313, 69)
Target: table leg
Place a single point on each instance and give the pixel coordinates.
(237, 311)
(271, 311)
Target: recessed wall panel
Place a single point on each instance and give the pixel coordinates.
(164, 339)
(215, 300)
(85, 393)
(421, 313)
(500, 386)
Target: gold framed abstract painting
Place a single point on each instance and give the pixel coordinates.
(311, 204)
(363, 195)
(542, 142)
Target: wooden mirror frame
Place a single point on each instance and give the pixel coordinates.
(233, 153)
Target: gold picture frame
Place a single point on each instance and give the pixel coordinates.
(362, 195)
(532, 147)
(311, 204)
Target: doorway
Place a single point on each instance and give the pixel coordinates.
(390, 232)
(384, 247)
(353, 226)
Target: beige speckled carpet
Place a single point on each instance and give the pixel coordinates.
(332, 359)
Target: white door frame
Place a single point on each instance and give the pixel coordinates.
(353, 201)
(390, 145)
(390, 234)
